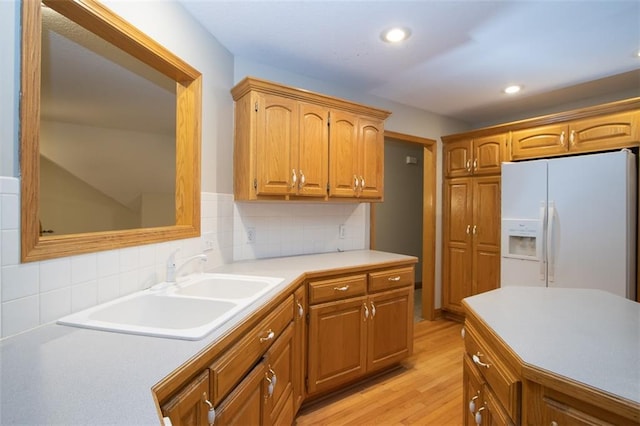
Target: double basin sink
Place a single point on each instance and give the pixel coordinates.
(188, 310)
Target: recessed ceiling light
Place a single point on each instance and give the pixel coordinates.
(510, 90)
(395, 35)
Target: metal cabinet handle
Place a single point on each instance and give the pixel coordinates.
(366, 311)
(572, 138)
(475, 229)
(211, 413)
(373, 310)
(294, 178)
(478, 362)
(303, 180)
(468, 229)
(472, 403)
(396, 278)
(355, 182)
(300, 310)
(361, 183)
(479, 416)
(270, 387)
(562, 141)
(270, 335)
(468, 165)
(343, 288)
(475, 164)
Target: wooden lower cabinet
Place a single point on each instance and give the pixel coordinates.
(349, 338)
(299, 346)
(500, 389)
(244, 406)
(189, 406)
(390, 328)
(471, 231)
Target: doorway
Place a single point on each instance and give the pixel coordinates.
(405, 222)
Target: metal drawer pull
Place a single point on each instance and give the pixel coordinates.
(300, 310)
(396, 278)
(211, 414)
(270, 335)
(476, 361)
(366, 311)
(343, 288)
(373, 310)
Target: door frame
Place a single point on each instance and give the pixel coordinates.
(429, 157)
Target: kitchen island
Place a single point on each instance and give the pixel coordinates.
(551, 356)
(56, 374)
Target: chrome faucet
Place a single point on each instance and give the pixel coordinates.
(172, 272)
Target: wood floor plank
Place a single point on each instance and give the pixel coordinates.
(426, 390)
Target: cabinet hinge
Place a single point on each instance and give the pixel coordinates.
(255, 184)
(256, 106)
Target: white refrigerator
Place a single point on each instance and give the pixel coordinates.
(570, 222)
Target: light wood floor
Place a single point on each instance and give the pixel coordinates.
(427, 390)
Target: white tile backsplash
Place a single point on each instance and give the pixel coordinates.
(37, 293)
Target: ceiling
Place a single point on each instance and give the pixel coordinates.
(460, 56)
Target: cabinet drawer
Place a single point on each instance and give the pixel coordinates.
(503, 382)
(392, 278)
(228, 370)
(337, 288)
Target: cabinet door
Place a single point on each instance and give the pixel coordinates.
(279, 379)
(540, 141)
(276, 142)
(313, 151)
(457, 158)
(472, 398)
(243, 406)
(188, 407)
(486, 234)
(343, 154)
(299, 346)
(371, 168)
(607, 132)
(337, 343)
(487, 154)
(390, 327)
(457, 242)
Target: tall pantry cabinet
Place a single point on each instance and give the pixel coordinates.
(471, 218)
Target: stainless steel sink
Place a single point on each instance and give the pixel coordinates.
(189, 310)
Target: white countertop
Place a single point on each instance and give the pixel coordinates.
(64, 375)
(589, 336)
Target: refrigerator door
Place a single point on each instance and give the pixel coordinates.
(524, 195)
(588, 221)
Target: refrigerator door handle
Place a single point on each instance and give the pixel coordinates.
(540, 242)
(550, 242)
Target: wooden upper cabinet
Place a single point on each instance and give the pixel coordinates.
(474, 156)
(488, 154)
(609, 131)
(295, 144)
(313, 148)
(540, 141)
(276, 138)
(343, 151)
(599, 133)
(356, 156)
